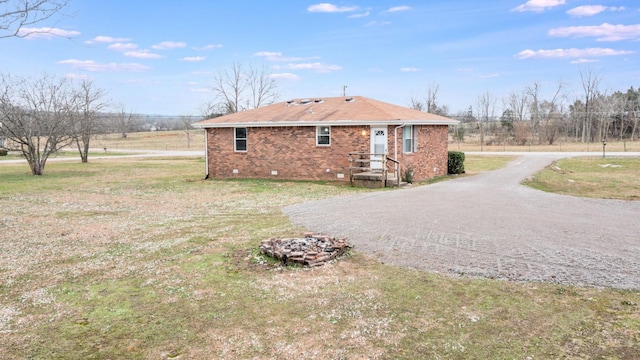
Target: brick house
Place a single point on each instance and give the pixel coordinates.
(312, 139)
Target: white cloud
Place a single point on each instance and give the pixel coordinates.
(488, 76)
(361, 15)
(45, 33)
(122, 46)
(330, 8)
(90, 65)
(570, 53)
(277, 56)
(143, 54)
(166, 45)
(77, 76)
(286, 76)
(268, 54)
(208, 47)
(105, 39)
(590, 10)
(317, 67)
(398, 9)
(538, 5)
(409, 69)
(586, 10)
(584, 61)
(200, 90)
(193, 58)
(378, 23)
(604, 32)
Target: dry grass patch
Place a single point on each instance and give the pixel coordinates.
(152, 140)
(604, 178)
(474, 164)
(139, 258)
(473, 144)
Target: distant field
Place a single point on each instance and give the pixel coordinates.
(472, 144)
(154, 140)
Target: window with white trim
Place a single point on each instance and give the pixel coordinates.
(240, 139)
(323, 135)
(407, 139)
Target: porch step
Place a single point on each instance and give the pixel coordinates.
(373, 180)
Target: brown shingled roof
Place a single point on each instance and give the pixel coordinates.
(333, 111)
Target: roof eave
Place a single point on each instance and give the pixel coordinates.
(325, 123)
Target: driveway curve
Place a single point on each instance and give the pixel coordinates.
(489, 225)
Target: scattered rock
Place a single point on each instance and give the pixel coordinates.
(311, 250)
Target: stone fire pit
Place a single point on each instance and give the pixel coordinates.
(311, 250)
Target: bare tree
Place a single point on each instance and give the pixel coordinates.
(552, 114)
(518, 104)
(533, 94)
(262, 87)
(634, 114)
(35, 117)
(432, 98)
(239, 88)
(417, 104)
(123, 121)
(430, 102)
(590, 83)
(16, 15)
(486, 111)
(89, 103)
(185, 121)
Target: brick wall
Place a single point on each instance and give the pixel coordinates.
(292, 153)
(289, 151)
(431, 158)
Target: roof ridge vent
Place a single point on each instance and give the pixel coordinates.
(349, 99)
(318, 101)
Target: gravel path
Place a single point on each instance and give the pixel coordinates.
(489, 225)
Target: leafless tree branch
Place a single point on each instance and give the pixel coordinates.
(16, 15)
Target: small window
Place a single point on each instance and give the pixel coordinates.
(407, 139)
(240, 139)
(323, 135)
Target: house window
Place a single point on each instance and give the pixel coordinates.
(240, 139)
(407, 139)
(323, 135)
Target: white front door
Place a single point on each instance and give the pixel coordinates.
(378, 146)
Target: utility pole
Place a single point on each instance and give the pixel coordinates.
(344, 90)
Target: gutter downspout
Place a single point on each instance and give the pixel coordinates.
(395, 140)
(206, 155)
(395, 151)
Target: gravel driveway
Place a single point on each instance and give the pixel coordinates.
(489, 225)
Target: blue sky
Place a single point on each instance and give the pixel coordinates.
(159, 57)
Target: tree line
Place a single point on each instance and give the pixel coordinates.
(40, 116)
(529, 117)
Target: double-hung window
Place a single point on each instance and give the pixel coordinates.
(323, 135)
(409, 139)
(240, 139)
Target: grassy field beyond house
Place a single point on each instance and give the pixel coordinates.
(604, 178)
(141, 258)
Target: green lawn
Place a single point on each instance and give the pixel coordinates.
(604, 178)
